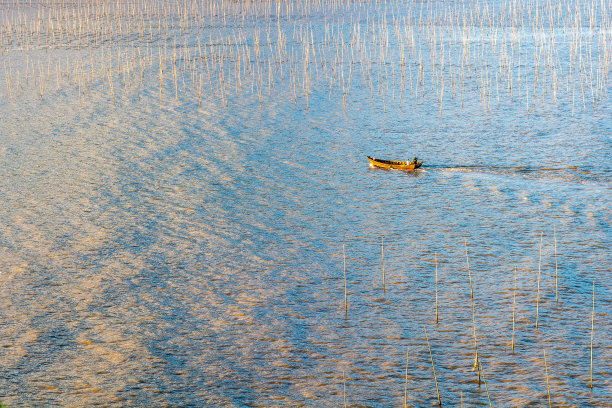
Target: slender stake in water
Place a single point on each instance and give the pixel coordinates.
(592, 326)
(476, 364)
(382, 248)
(485, 383)
(344, 384)
(433, 367)
(514, 309)
(406, 382)
(345, 295)
(547, 386)
(539, 274)
(436, 258)
(468, 268)
(556, 276)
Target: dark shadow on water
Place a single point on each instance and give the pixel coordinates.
(411, 173)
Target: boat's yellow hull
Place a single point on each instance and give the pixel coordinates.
(394, 164)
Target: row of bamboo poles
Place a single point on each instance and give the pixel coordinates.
(538, 55)
(435, 319)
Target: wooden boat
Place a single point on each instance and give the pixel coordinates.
(394, 164)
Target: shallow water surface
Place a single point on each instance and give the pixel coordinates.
(191, 255)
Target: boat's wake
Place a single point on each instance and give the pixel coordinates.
(567, 173)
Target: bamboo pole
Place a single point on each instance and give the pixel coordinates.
(468, 268)
(485, 383)
(476, 360)
(539, 274)
(556, 275)
(433, 367)
(436, 259)
(345, 293)
(547, 386)
(592, 327)
(406, 381)
(382, 247)
(514, 309)
(344, 388)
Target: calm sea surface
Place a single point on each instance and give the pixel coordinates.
(185, 255)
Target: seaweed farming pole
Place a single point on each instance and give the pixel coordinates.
(382, 247)
(344, 388)
(436, 260)
(539, 274)
(468, 268)
(556, 275)
(433, 367)
(476, 361)
(485, 383)
(514, 309)
(406, 382)
(345, 294)
(547, 386)
(592, 327)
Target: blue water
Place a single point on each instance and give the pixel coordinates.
(189, 255)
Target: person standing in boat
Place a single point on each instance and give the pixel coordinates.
(414, 161)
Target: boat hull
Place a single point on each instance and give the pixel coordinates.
(394, 164)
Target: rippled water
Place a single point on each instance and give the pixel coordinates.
(179, 255)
